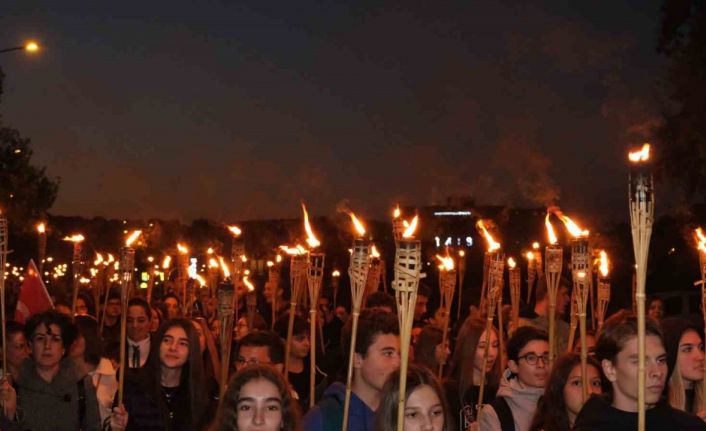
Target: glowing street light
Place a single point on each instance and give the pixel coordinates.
(30, 46)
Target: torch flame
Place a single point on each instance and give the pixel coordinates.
(511, 263)
(396, 213)
(182, 249)
(224, 267)
(292, 251)
(447, 263)
(529, 255)
(200, 279)
(700, 239)
(461, 253)
(212, 263)
(492, 244)
(41, 228)
(603, 268)
(572, 227)
(336, 273)
(374, 252)
(133, 236)
(311, 238)
(243, 258)
(166, 262)
(110, 258)
(535, 245)
(270, 264)
(550, 230)
(409, 232)
(75, 238)
(278, 259)
(248, 284)
(209, 250)
(357, 224)
(99, 259)
(235, 230)
(641, 155)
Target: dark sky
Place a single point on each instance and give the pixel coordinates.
(234, 110)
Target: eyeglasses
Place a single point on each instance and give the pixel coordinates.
(532, 358)
(251, 361)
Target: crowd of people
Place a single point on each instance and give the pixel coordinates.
(63, 369)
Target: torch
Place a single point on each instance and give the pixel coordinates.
(299, 263)
(182, 273)
(461, 275)
(226, 301)
(374, 273)
(4, 236)
(408, 267)
(250, 301)
(273, 278)
(447, 285)
(127, 268)
(495, 282)
(701, 245)
(77, 240)
(314, 276)
(335, 283)
(493, 247)
(514, 279)
(358, 273)
(603, 293)
(42, 246)
(641, 196)
(108, 276)
(398, 226)
(99, 279)
(237, 255)
(531, 273)
(212, 273)
(553, 262)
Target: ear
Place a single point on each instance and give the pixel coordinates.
(357, 360)
(512, 365)
(609, 370)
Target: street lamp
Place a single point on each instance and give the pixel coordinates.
(30, 46)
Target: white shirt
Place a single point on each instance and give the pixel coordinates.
(106, 385)
(144, 347)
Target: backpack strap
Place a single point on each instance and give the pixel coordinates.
(502, 408)
(81, 402)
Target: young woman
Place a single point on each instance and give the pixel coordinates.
(428, 351)
(257, 399)
(425, 405)
(685, 358)
(563, 396)
(171, 392)
(465, 371)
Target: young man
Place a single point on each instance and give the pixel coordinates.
(261, 347)
(111, 319)
(139, 318)
(523, 382)
(377, 355)
(617, 352)
(540, 318)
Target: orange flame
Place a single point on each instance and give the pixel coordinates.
(550, 230)
(572, 227)
(224, 267)
(336, 273)
(212, 263)
(374, 252)
(492, 244)
(110, 258)
(235, 230)
(293, 251)
(511, 263)
(200, 279)
(396, 213)
(447, 263)
(642, 155)
(700, 239)
(166, 262)
(209, 251)
(270, 264)
(41, 228)
(248, 284)
(357, 224)
(529, 255)
(99, 259)
(311, 238)
(603, 267)
(535, 245)
(182, 249)
(278, 259)
(461, 253)
(243, 258)
(75, 238)
(409, 232)
(132, 238)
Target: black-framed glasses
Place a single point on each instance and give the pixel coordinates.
(532, 358)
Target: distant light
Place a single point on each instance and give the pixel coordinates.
(453, 213)
(32, 46)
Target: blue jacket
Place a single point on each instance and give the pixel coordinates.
(327, 415)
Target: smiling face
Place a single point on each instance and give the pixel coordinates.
(423, 410)
(174, 348)
(47, 346)
(138, 323)
(259, 406)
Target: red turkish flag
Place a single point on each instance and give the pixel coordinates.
(33, 297)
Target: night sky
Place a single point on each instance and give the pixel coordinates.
(236, 110)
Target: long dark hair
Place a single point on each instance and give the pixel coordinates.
(386, 414)
(551, 412)
(227, 417)
(193, 377)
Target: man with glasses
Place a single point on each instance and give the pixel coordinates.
(262, 347)
(522, 384)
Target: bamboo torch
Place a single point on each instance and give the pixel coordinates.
(641, 198)
(447, 285)
(42, 246)
(99, 280)
(237, 255)
(398, 227)
(531, 273)
(408, 267)
(495, 274)
(250, 301)
(603, 294)
(335, 283)
(314, 276)
(701, 246)
(297, 271)
(182, 273)
(358, 273)
(226, 296)
(108, 277)
(553, 262)
(212, 272)
(493, 250)
(372, 283)
(4, 237)
(77, 241)
(127, 268)
(273, 278)
(461, 275)
(514, 279)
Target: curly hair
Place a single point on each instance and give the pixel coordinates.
(551, 414)
(227, 416)
(386, 414)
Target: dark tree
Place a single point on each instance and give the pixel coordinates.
(682, 134)
(26, 193)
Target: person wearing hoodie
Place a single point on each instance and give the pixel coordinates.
(522, 384)
(617, 352)
(377, 355)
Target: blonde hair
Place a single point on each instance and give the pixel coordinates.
(677, 392)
